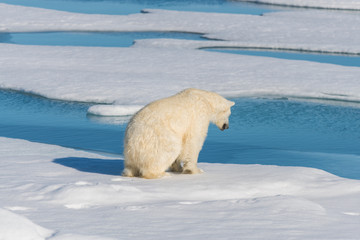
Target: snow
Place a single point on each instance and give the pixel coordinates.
(56, 193)
(80, 195)
(326, 4)
(14, 226)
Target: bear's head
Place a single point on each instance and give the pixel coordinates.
(222, 113)
(217, 106)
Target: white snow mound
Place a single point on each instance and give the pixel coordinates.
(16, 227)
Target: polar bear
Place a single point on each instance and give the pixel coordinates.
(169, 133)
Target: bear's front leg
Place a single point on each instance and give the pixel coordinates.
(192, 144)
(191, 168)
(189, 157)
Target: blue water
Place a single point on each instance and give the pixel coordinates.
(290, 133)
(55, 122)
(93, 39)
(262, 131)
(122, 7)
(344, 60)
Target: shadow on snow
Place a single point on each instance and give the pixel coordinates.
(93, 165)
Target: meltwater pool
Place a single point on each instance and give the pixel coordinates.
(352, 60)
(90, 39)
(124, 7)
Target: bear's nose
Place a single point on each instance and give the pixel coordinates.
(225, 126)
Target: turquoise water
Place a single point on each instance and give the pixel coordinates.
(93, 39)
(262, 131)
(123, 7)
(290, 133)
(55, 122)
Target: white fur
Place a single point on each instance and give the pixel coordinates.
(170, 132)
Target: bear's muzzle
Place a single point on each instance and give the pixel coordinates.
(224, 126)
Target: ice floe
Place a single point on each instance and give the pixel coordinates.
(138, 75)
(114, 110)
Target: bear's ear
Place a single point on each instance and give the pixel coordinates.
(230, 103)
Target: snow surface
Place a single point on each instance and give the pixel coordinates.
(326, 4)
(14, 226)
(80, 195)
(51, 192)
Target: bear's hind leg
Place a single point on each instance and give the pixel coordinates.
(176, 166)
(130, 172)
